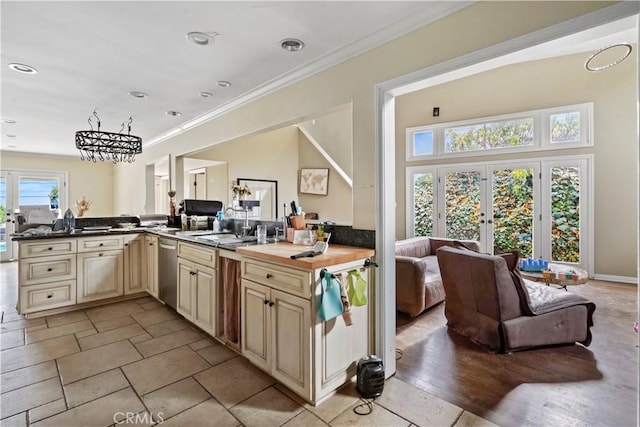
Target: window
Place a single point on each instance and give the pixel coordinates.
(423, 143)
(549, 129)
(490, 135)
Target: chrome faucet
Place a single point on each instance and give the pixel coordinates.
(246, 229)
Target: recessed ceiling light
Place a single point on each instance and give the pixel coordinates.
(137, 94)
(200, 38)
(9, 121)
(206, 94)
(12, 146)
(12, 136)
(23, 68)
(610, 56)
(173, 113)
(223, 83)
(292, 45)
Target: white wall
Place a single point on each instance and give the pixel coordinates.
(337, 204)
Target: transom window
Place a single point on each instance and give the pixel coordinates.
(548, 129)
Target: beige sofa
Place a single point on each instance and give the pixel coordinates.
(418, 282)
(489, 302)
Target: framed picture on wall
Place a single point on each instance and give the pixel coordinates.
(314, 181)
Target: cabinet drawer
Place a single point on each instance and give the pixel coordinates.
(102, 243)
(47, 269)
(46, 248)
(198, 254)
(296, 282)
(47, 296)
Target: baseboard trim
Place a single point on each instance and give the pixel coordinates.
(619, 279)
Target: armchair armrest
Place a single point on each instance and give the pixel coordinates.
(410, 273)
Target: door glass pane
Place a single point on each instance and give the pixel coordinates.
(462, 207)
(512, 192)
(38, 198)
(3, 214)
(423, 204)
(565, 214)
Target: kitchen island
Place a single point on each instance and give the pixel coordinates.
(281, 331)
(276, 296)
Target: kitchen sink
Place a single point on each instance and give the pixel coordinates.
(226, 238)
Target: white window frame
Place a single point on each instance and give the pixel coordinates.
(541, 133)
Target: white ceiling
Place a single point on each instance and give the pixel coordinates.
(90, 54)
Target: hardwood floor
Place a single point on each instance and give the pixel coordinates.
(556, 386)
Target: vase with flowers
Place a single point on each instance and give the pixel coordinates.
(240, 192)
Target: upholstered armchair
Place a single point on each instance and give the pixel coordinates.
(489, 302)
(418, 283)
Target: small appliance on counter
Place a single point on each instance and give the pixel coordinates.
(199, 213)
(192, 207)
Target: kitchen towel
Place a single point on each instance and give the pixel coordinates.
(357, 288)
(330, 304)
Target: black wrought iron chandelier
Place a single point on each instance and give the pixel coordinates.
(97, 145)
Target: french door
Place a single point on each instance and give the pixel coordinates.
(35, 196)
(539, 207)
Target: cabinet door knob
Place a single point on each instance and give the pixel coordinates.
(101, 244)
(49, 269)
(126, 244)
(271, 303)
(50, 296)
(266, 302)
(50, 249)
(269, 275)
(100, 254)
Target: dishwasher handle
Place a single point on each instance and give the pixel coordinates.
(168, 244)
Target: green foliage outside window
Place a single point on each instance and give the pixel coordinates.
(565, 214)
(3, 214)
(462, 205)
(508, 133)
(423, 205)
(513, 210)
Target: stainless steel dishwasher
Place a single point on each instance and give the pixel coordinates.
(168, 271)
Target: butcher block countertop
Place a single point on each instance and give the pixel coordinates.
(281, 253)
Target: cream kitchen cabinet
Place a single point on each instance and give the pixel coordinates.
(100, 268)
(46, 274)
(281, 333)
(198, 286)
(276, 334)
(134, 264)
(151, 264)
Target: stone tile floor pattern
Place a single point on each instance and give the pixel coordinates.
(93, 367)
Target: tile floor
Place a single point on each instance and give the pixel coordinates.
(93, 367)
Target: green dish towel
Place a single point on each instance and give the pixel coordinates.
(357, 288)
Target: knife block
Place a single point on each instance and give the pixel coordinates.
(297, 222)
